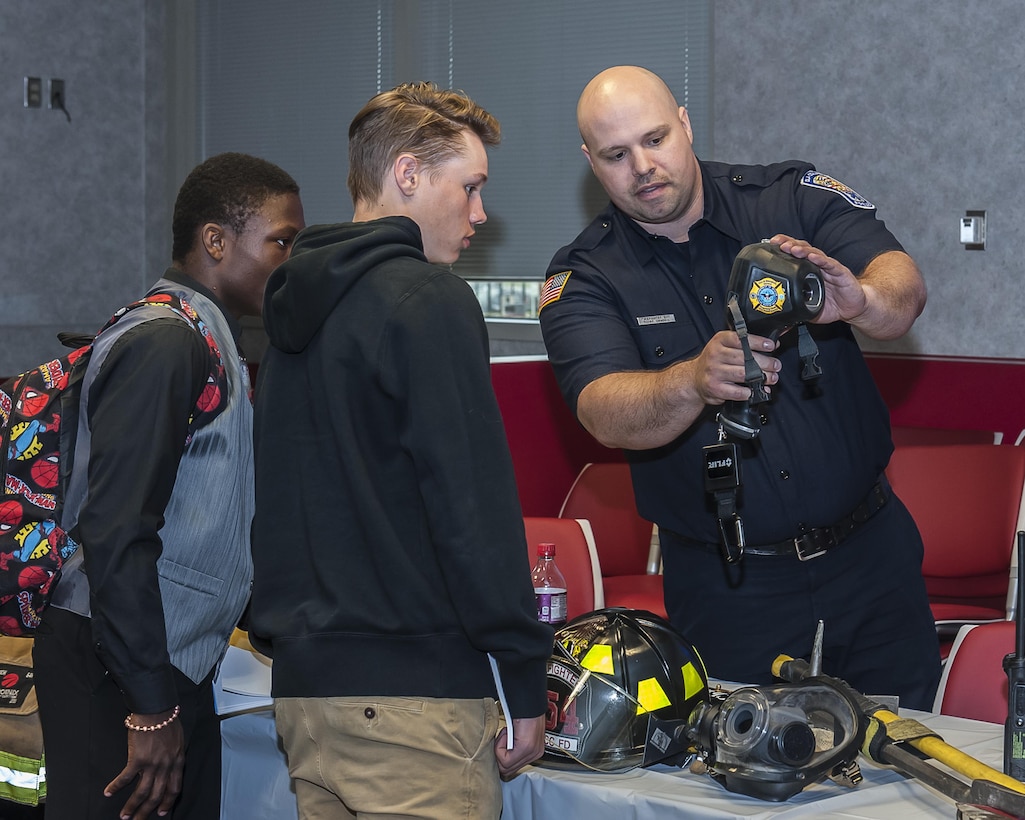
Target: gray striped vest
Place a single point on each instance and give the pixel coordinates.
(205, 568)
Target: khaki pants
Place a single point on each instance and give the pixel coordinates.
(390, 758)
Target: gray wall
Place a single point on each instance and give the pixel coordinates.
(914, 103)
(81, 199)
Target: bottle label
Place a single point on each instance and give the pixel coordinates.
(551, 605)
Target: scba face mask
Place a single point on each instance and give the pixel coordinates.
(772, 741)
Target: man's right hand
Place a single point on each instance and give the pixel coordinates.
(642, 409)
(719, 369)
(155, 763)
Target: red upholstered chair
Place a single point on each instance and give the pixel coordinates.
(603, 494)
(910, 436)
(974, 684)
(966, 500)
(575, 556)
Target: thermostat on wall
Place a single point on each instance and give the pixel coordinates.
(973, 230)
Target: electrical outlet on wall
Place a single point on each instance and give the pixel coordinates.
(57, 94)
(973, 230)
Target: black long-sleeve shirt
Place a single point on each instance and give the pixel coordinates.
(139, 408)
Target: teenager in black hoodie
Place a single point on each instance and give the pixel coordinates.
(390, 557)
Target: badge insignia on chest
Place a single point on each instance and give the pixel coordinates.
(814, 179)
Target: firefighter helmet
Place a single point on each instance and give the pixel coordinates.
(610, 671)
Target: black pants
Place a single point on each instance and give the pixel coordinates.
(82, 712)
(879, 632)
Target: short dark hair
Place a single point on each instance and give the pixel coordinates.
(418, 118)
(226, 189)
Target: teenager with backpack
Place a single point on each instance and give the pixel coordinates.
(161, 507)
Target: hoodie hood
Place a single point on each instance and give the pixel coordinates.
(326, 261)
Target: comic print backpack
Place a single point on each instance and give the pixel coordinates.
(38, 425)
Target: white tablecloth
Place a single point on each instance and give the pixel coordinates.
(256, 785)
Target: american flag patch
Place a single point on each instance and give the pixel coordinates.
(551, 290)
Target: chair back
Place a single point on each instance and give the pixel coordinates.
(974, 684)
(575, 556)
(966, 500)
(910, 436)
(604, 495)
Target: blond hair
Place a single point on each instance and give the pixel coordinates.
(415, 118)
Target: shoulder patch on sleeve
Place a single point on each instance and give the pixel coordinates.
(815, 179)
(551, 290)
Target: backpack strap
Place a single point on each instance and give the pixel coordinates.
(215, 395)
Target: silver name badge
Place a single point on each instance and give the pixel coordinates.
(661, 319)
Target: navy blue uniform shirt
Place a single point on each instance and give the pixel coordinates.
(636, 301)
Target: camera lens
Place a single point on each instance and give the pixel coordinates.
(812, 292)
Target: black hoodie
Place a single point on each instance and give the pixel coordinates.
(389, 550)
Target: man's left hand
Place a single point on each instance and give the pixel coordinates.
(528, 745)
(845, 297)
(882, 301)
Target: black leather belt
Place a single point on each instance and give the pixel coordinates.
(812, 543)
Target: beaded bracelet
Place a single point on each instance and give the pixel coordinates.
(162, 725)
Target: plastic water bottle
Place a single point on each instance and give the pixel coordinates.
(549, 587)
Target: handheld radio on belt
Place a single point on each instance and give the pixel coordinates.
(1014, 666)
(769, 291)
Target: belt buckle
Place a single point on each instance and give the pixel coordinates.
(812, 544)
